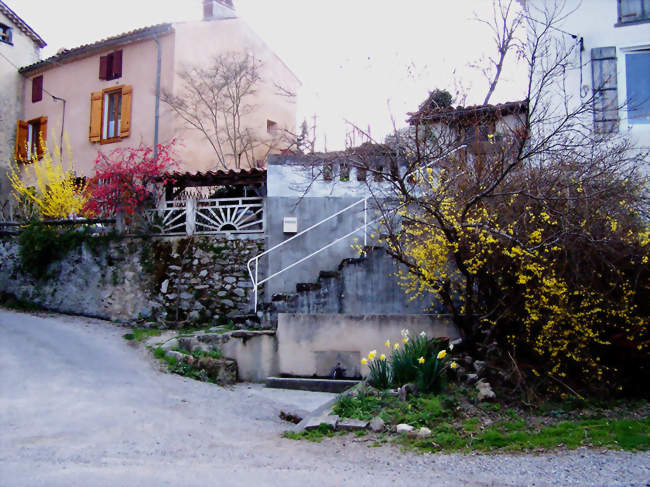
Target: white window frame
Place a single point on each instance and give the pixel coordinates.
(639, 129)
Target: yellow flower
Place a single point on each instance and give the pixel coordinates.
(453, 365)
(405, 339)
(421, 360)
(442, 354)
(364, 361)
(382, 357)
(372, 354)
(387, 343)
(396, 346)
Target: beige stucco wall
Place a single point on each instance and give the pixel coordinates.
(22, 52)
(196, 44)
(75, 81)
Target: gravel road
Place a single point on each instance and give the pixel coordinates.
(80, 406)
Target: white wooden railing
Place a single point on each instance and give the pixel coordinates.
(208, 216)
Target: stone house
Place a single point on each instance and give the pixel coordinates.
(19, 45)
(483, 128)
(107, 94)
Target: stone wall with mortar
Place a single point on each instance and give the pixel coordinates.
(170, 279)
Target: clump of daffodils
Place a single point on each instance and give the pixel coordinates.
(418, 360)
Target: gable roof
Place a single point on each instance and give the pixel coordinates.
(451, 114)
(69, 55)
(22, 25)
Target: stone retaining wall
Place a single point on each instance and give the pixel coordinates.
(173, 279)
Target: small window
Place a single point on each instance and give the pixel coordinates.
(379, 173)
(37, 89)
(271, 127)
(110, 66)
(637, 74)
(31, 139)
(110, 114)
(328, 171)
(5, 34)
(361, 173)
(344, 172)
(633, 11)
(112, 117)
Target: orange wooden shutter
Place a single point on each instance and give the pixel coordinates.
(125, 124)
(95, 130)
(21, 141)
(42, 137)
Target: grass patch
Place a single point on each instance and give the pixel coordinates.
(459, 424)
(141, 334)
(316, 435)
(187, 368)
(510, 436)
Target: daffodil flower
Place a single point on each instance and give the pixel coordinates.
(387, 343)
(372, 354)
(442, 354)
(396, 346)
(364, 361)
(405, 339)
(382, 357)
(423, 334)
(421, 360)
(453, 365)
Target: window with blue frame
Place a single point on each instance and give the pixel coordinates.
(5, 34)
(637, 74)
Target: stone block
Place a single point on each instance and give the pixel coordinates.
(222, 370)
(351, 424)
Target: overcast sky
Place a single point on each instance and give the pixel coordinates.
(358, 60)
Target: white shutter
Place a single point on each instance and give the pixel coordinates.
(604, 84)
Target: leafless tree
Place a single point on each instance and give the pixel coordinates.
(216, 101)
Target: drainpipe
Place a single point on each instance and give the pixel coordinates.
(157, 112)
(56, 98)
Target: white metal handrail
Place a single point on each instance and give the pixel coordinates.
(254, 274)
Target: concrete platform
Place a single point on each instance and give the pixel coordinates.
(320, 385)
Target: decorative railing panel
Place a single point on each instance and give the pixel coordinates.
(208, 216)
(235, 215)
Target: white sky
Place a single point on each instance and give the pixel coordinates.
(360, 60)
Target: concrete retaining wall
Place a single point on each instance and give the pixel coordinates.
(312, 344)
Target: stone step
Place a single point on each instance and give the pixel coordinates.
(317, 385)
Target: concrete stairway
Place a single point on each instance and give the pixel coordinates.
(362, 285)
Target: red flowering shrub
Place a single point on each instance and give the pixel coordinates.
(127, 180)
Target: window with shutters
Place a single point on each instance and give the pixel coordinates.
(5, 34)
(637, 81)
(633, 11)
(605, 89)
(31, 138)
(110, 114)
(37, 89)
(110, 66)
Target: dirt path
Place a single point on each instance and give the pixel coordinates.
(80, 406)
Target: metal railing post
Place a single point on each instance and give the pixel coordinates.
(365, 222)
(255, 299)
